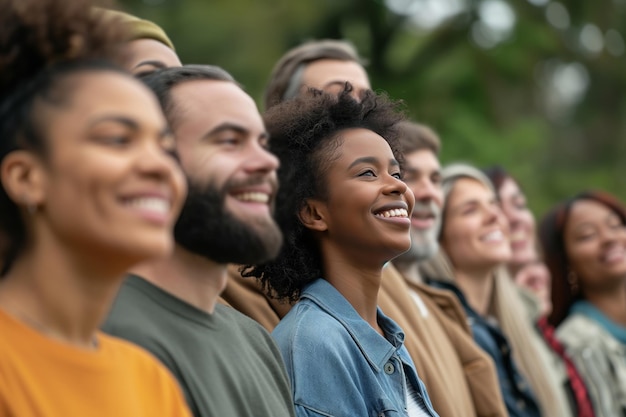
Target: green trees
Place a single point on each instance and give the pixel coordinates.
(534, 85)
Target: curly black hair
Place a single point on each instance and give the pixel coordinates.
(305, 134)
(42, 42)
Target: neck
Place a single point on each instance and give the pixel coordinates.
(356, 281)
(188, 276)
(410, 271)
(61, 293)
(477, 288)
(612, 303)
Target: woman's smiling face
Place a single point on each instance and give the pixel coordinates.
(367, 209)
(475, 232)
(110, 184)
(595, 243)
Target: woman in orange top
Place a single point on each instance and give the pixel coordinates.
(88, 189)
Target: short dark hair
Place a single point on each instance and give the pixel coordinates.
(42, 44)
(163, 80)
(286, 77)
(305, 134)
(551, 235)
(416, 137)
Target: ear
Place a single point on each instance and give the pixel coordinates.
(23, 177)
(312, 215)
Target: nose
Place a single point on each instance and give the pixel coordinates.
(259, 159)
(395, 185)
(493, 214)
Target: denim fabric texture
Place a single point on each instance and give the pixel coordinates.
(339, 365)
(518, 397)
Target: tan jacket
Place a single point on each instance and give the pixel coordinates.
(460, 378)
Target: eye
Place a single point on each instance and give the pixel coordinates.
(114, 140)
(367, 173)
(397, 175)
(229, 141)
(436, 179)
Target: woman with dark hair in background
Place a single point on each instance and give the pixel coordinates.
(584, 243)
(89, 188)
(344, 212)
(530, 273)
(526, 267)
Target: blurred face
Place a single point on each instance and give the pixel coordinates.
(148, 55)
(368, 206)
(595, 243)
(221, 140)
(536, 278)
(475, 234)
(331, 75)
(521, 222)
(423, 177)
(110, 185)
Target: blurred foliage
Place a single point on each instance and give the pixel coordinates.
(490, 106)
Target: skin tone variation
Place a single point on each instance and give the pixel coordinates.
(422, 174)
(331, 75)
(475, 237)
(595, 243)
(221, 140)
(104, 197)
(147, 55)
(365, 220)
(521, 223)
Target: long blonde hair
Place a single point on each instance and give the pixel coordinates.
(529, 351)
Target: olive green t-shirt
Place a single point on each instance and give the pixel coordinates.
(226, 363)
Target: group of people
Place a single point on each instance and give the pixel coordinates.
(169, 250)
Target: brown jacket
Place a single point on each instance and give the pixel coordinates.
(460, 378)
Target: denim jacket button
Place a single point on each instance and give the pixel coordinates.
(389, 368)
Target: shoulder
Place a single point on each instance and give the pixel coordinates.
(578, 331)
(136, 359)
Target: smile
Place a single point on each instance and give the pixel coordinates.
(495, 236)
(253, 197)
(402, 213)
(153, 204)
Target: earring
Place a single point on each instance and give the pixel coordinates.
(572, 280)
(30, 207)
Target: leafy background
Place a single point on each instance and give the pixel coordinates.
(536, 86)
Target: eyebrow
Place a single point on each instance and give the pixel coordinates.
(227, 126)
(127, 122)
(157, 64)
(372, 160)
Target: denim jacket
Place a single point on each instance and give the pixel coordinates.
(339, 366)
(518, 398)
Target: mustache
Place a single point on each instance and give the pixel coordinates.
(429, 208)
(261, 179)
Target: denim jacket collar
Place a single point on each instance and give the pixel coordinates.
(375, 348)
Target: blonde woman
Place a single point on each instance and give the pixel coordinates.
(474, 247)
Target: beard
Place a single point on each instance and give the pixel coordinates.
(206, 228)
(424, 243)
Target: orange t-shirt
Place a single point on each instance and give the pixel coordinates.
(42, 377)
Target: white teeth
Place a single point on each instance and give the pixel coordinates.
(494, 236)
(256, 197)
(393, 213)
(155, 204)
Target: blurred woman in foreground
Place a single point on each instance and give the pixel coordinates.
(89, 188)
